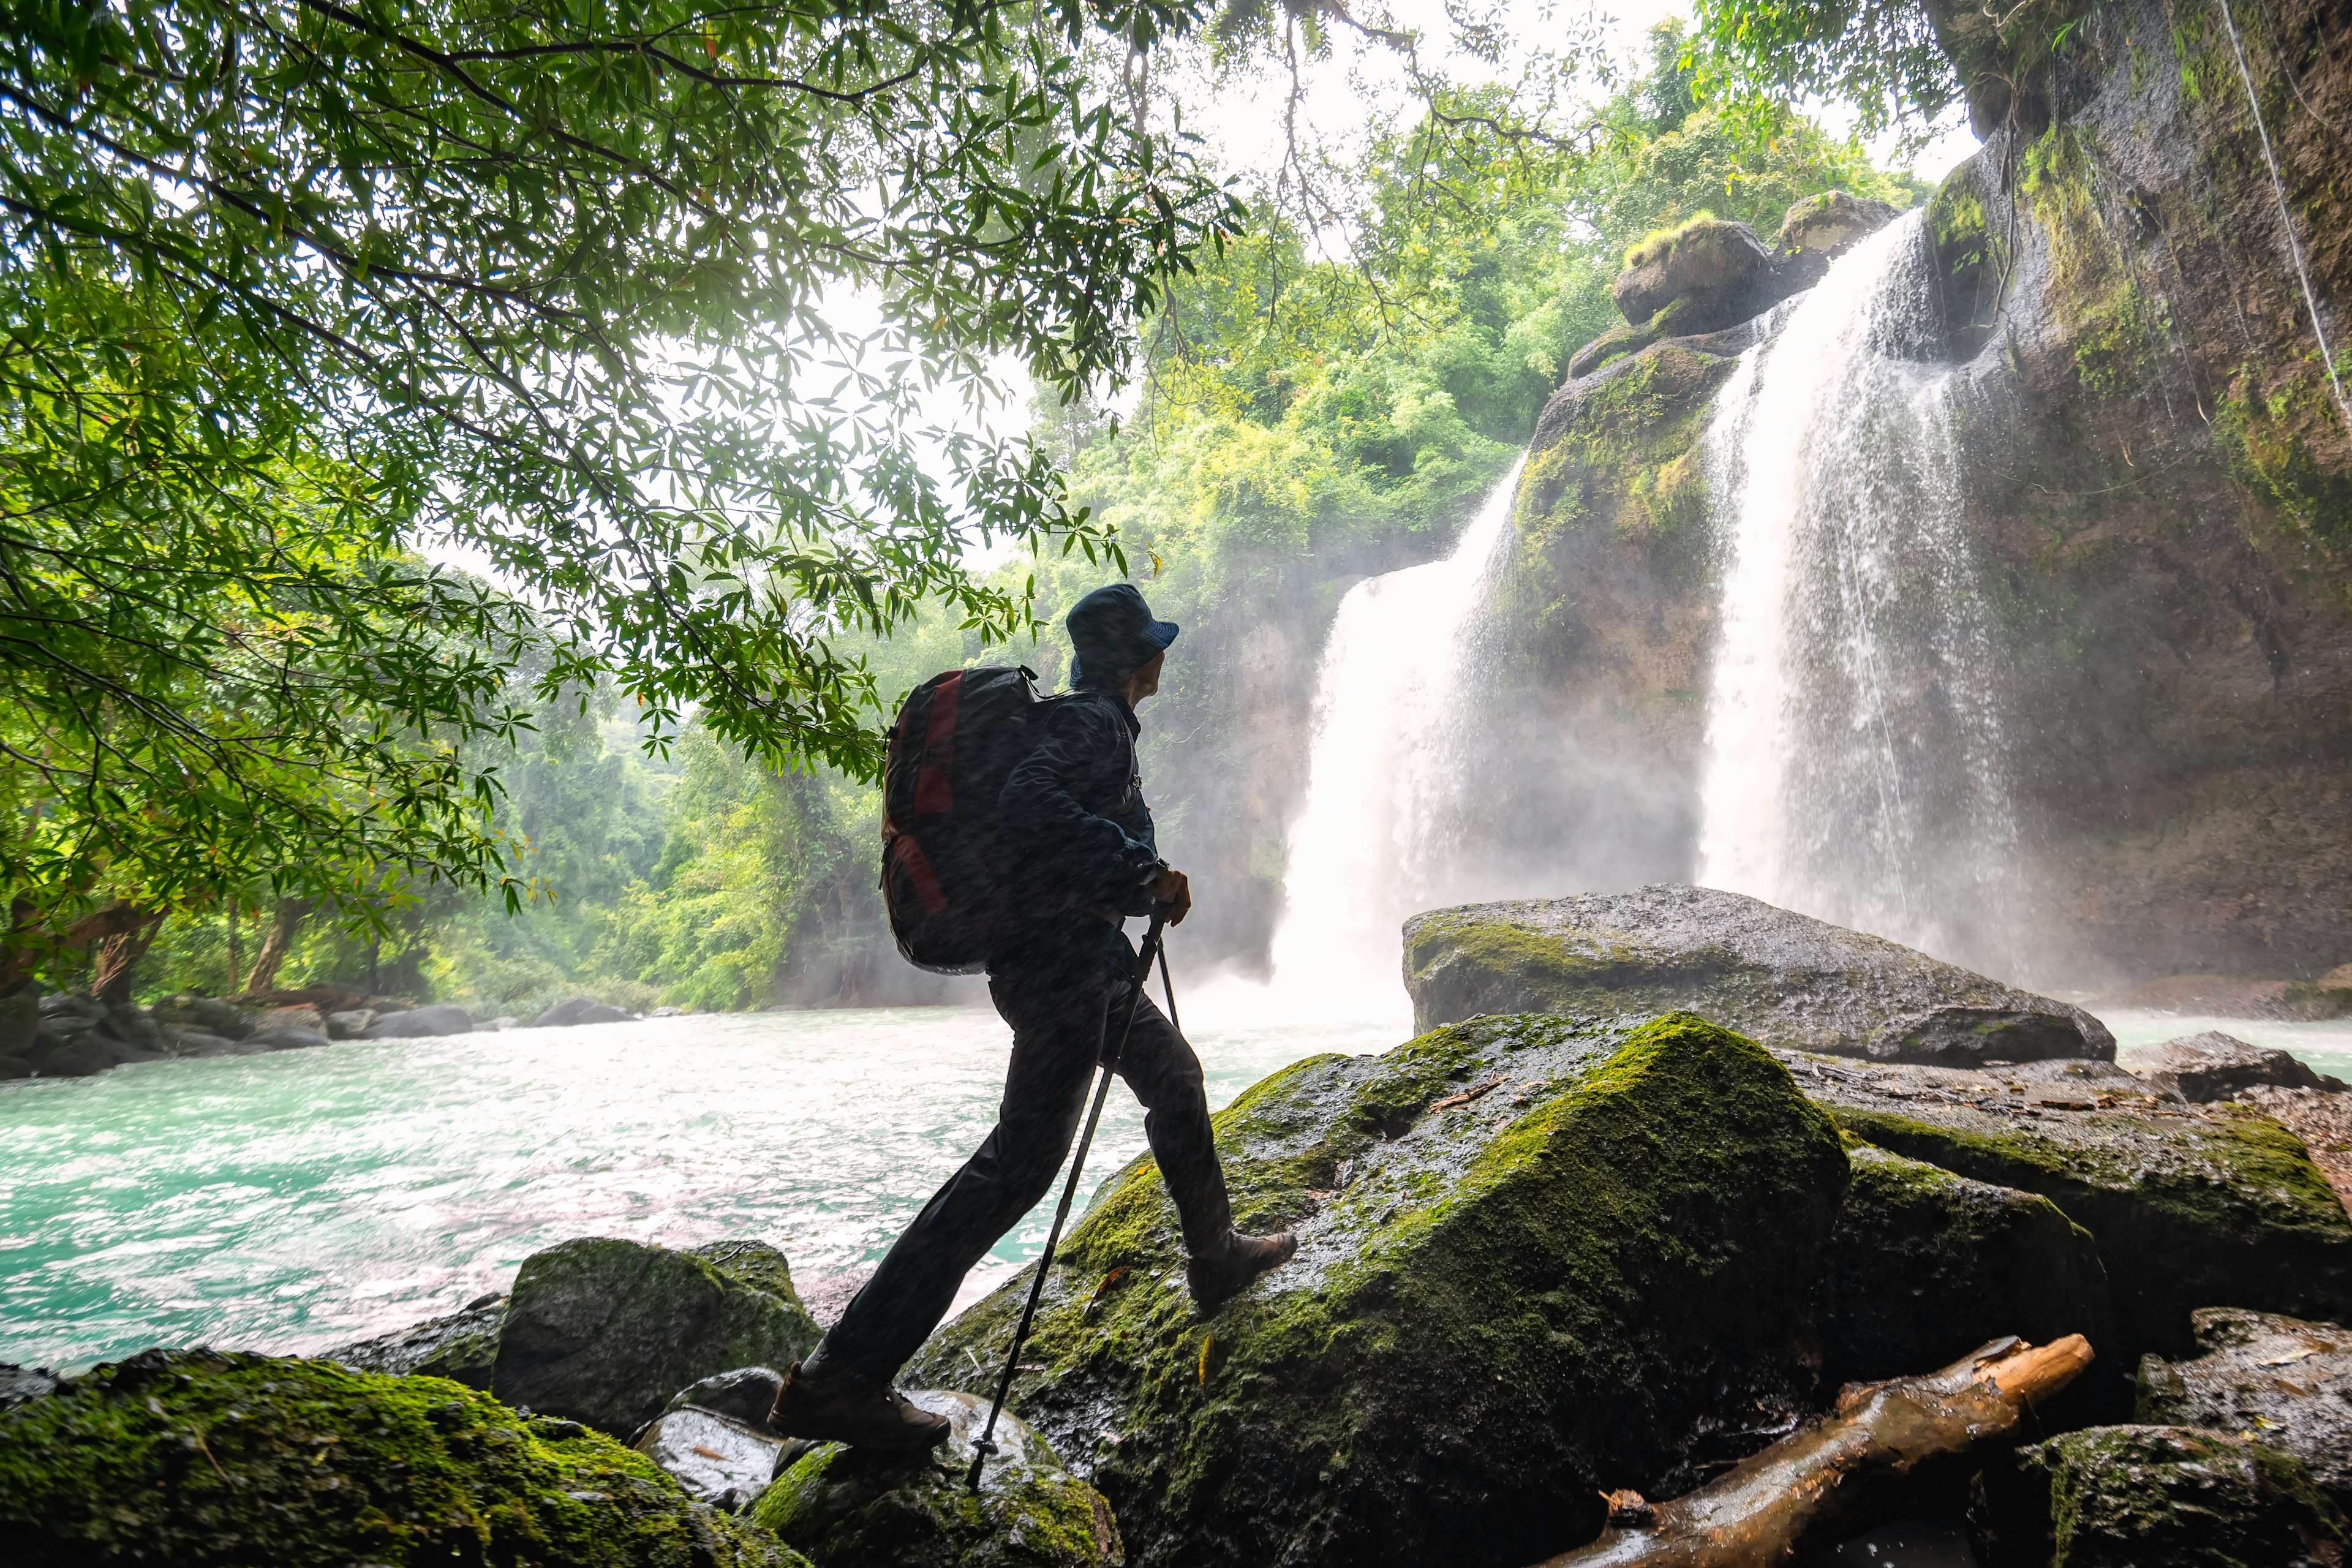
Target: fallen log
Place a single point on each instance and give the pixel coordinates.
(1816, 1487)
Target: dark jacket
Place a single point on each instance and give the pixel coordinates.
(1077, 803)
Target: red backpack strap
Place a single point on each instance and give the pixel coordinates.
(934, 792)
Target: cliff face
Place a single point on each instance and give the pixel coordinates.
(2157, 490)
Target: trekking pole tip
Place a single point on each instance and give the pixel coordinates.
(980, 1450)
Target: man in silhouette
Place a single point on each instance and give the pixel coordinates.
(1060, 976)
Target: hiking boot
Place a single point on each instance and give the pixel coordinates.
(838, 1407)
(1218, 1276)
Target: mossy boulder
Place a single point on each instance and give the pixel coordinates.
(605, 1331)
(1718, 267)
(1785, 979)
(2282, 1379)
(1924, 1265)
(2191, 1205)
(1536, 1259)
(848, 1508)
(2132, 1496)
(196, 1459)
(462, 1346)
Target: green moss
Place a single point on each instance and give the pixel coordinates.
(867, 1511)
(2188, 1210)
(1659, 243)
(1570, 1240)
(197, 1459)
(2268, 439)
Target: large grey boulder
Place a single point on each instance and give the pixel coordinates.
(20, 1021)
(1819, 230)
(604, 1331)
(1718, 267)
(848, 1508)
(1924, 1265)
(2286, 1381)
(1536, 1259)
(574, 1010)
(1783, 979)
(2214, 1065)
(2136, 1497)
(2191, 1205)
(420, 1023)
(462, 1346)
(718, 1458)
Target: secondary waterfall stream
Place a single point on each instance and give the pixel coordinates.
(1386, 759)
(1855, 768)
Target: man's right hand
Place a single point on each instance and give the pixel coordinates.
(1172, 890)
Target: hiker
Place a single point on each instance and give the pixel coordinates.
(1058, 974)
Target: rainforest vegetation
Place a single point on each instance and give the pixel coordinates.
(450, 543)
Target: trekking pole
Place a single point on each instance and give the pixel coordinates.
(985, 1445)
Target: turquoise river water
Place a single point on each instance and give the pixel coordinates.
(297, 1201)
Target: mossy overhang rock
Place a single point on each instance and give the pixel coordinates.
(1536, 1259)
(462, 1346)
(604, 1331)
(198, 1459)
(857, 1508)
(2192, 1206)
(1819, 230)
(2286, 1381)
(2131, 1496)
(1717, 265)
(1787, 980)
(1924, 1265)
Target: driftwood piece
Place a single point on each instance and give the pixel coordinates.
(1820, 1484)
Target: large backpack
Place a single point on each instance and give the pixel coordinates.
(946, 854)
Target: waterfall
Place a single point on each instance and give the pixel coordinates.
(1855, 768)
(1383, 769)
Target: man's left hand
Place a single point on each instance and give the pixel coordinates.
(1173, 891)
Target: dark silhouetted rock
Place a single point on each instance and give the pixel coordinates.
(1535, 1258)
(2191, 1205)
(20, 1021)
(605, 1331)
(745, 1393)
(209, 1014)
(462, 1346)
(723, 1461)
(204, 1460)
(2214, 1065)
(2287, 1382)
(574, 1010)
(2136, 1497)
(1925, 1266)
(1787, 980)
(419, 1023)
(852, 1509)
(90, 1053)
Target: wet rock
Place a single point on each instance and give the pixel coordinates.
(286, 1037)
(1786, 980)
(1819, 230)
(2286, 1383)
(745, 1393)
(574, 1010)
(667, 1012)
(2191, 1205)
(209, 1014)
(300, 1015)
(2132, 1496)
(1924, 1266)
(1718, 267)
(2322, 1117)
(206, 1460)
(15, 1068)
(2214, 1065)
(1537, 1260)
(853, 1509)
(19, 1383)
(420, 1023)
(723, 1461)
(197, 1043)
(20, 1021)
(605, 1331)
(462, 1346)
(87, 1055)
(351, 1023)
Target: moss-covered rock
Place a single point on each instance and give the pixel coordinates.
(1786, 978)
(605, 1331)
(1924, 1266)
(2191, 1205)
(1716, 266)
(856, 1508)
(195, 1458)
(1536, 1259)
(2133, 1497)
(462, 1346)
(2283, 1380)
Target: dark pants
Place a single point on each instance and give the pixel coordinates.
(1065, 996)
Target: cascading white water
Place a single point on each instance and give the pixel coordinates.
(1855, 768)
(1383, 769)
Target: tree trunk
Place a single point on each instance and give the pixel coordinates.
(118, 957)
(280, 936)
(1816, 1487)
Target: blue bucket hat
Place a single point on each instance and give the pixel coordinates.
(1114, 634)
